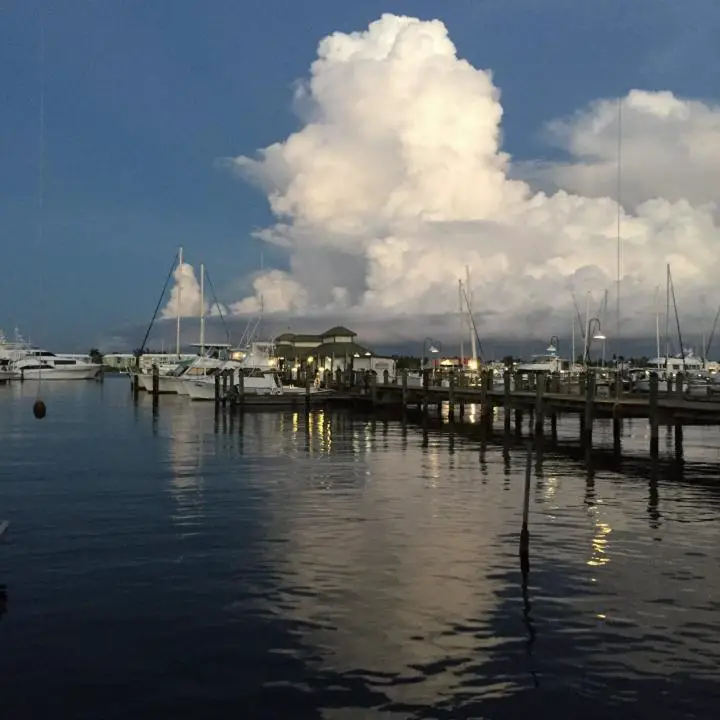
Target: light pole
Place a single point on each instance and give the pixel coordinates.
(429, 345)
(597, 334)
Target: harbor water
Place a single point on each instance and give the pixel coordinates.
(180, 563)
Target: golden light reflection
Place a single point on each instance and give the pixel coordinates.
(295, 422)
(600, 545)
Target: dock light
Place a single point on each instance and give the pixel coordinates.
(310, 359)
(599, 336)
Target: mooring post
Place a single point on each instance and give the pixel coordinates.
(553, 427)
(589, 408)
(373, 388)
(155, 384)
(525, 532)
(653, 414)
(241, 388)
(539, 403)
(507, 399)
(451, 395)
(518, 422)
(426, 390)
(307, 390)
(404, 388)
(679, 386)
(224, 386)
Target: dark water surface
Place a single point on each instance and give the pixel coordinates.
(332, 566)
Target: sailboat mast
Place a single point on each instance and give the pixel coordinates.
(667, 315)
(572, 317)
(179, 301)
(657, 322)
(469, 299)
(462, 323)
(587, 328)
(202, 309)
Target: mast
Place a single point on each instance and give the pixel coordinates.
(587, 328)
(462, 323)
(619, 240)
(572, 359)
(179, 299)
(469, 299)
(667, 315)
(657, 322)
(202, 309)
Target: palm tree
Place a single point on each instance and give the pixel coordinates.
(96, 356)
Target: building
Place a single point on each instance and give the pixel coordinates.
(335, 349)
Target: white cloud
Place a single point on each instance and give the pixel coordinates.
(186, 293)
(670, 149)
(396, 181)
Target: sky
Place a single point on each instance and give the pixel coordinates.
(340, 176)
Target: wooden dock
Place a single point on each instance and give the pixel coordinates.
(542, 398)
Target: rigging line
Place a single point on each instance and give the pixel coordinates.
(472, 320)
(706, 350)
(217, 304)
(677, 319)
(157, 307)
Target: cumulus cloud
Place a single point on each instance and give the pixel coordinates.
(670, 149)
(396, 181)
(186, 296)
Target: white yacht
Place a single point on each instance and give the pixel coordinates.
(38, 364)
(549, 362)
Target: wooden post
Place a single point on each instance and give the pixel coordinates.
(518, 422)
(373, 388)
(507, 399)
(524, 532)
(241, 387)
(307, 391)
(223, 398)
(404, 388)
(653, 414)
(426, 389)
(680, 395)
(217, 388)
(553, 427)
(451, 395)
(539, 403)
(155, 384)
(679, 386)
(589, 408)
(386, 376)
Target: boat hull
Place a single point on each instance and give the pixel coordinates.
(70, 372)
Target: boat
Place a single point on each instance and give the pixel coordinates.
(548, 362)
(38, 364)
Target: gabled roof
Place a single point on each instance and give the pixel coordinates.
(338, 330)
(285, 337)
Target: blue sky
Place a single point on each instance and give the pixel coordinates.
(142, 97)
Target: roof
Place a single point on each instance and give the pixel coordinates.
(338, 330)
(285, 337)
(342, 349)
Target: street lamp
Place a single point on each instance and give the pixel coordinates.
(431, 346)
(594, 332)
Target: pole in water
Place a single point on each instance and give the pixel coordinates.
(524, 532)
(39, 409)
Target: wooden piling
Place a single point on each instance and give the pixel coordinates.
(589, 408)
(539, 403)
(451, 395)
(155, 384)
(404, 396)
(507, 400)
(241, 388)
(525, 532)
(653, 414)
(217, 389)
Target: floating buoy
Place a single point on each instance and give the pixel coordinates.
(39, 409)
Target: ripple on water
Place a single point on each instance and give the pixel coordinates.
(344, 567)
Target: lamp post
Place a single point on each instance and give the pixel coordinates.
(594, 332)
(431, 346)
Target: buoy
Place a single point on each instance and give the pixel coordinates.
(39, 409)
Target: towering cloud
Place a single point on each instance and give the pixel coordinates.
(396, 181)
(185, 295)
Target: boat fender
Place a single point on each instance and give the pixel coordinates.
(39, 409)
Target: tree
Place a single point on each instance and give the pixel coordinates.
(96, 356)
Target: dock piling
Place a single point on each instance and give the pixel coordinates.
(653, 414)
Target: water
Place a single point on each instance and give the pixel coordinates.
(188, 566)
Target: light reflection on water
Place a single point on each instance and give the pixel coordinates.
(331, 563)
